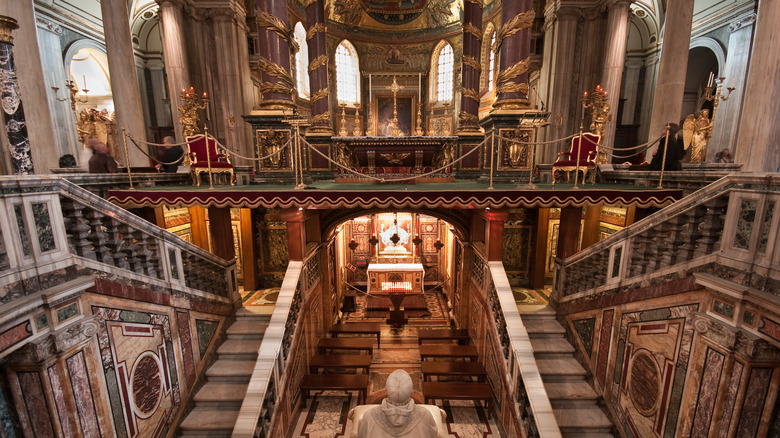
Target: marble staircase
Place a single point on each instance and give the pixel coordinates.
(574, 402)
(218, 401)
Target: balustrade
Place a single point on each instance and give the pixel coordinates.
(681, 237)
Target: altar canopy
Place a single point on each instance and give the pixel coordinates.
(395, 278)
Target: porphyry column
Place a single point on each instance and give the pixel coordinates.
(470, 71)
(615, 57)
(514, 38)
(174, 51)
(13, 112)
(124, 80)
(278, 86)
(318, 67)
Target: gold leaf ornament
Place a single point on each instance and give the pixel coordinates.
(318, 62)
(513, 71)
(470, 28)
(512, 87)
(320, 94)
(470, 93)
(466, 117)
(319, 27)
(321, 118)
(270, 87)
(268, 21)
(519, 22)
(273, 69)
(472, 62)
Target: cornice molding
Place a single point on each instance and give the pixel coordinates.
(49, 25)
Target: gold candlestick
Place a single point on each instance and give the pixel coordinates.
(356, 132)
(188, 111)
(600, 116)
(419, 130)
(343, 131)
(395, 88)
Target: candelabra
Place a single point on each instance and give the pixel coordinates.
(356, 132)
(717, 86)
(191, 103)
(73, 89)
(419, 130)
(395, 88)
(343, 131)
(600, 115)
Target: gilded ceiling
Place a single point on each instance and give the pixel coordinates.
(395, 14)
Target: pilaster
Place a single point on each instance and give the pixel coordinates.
(612, 72)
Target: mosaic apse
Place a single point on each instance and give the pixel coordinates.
(140, 369)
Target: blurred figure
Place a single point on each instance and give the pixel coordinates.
(724, 156)
(101, 161)
(171, 159)
(674, 154)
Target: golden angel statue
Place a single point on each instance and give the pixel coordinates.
(696, 133)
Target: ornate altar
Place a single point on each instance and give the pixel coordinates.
(396, 281)
(395, 155)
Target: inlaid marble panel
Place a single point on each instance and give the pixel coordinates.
(82, 394)
(59, 401)
(14, 335)
(185, 338)
(585, 328)
(755, 397)
(708, 391)
(605, 338)
(206, 330)
(43, 227)
(747, 215)
(35, 403)
(728, 406)
(22, 230)
(140, 369)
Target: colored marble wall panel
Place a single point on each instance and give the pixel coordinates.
(755, 396)
(185, 338)
(585, 329)
(66, 312)
(82, 393)
(605, 338)
(728, 406)
(769, 328)
(206, 330)
(43, 227)
(14, 335)
(35, 402)
(708, 391)
(59, 401)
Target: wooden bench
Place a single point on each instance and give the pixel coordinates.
(448, 368)
(459, 391)
(339, 361)
(358, 328)
(448, 350)
(345, 344)
(334, 382)
(443, 335)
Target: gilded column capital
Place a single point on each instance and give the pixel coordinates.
(7, 24)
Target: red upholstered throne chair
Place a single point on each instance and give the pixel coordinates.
(201, 162)
(567, 161)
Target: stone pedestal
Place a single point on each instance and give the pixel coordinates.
(271, 134)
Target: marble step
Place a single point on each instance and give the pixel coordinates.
(247, 328)
(569, 394)
(579, 420)
(222, 395)
(230, 371)
(209, 421)
(560, 369)
(239, 349)
(548, 346)
(260, 312)
(535, 312)
(543, 327)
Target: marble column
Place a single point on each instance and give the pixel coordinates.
(13, 110)
(563, 37)
(670, 86)
(645, 112)
(62, 117)
(515, 49)
(229, 107)
(221, 229)
(175, 56)
(275, 59)
(124, 80)
(614, 59)
(470, 67)
(569, 232)
(724, 128)
(758, 127)
(495, 234)
(318, 68)
(162, 109)
(630, 90)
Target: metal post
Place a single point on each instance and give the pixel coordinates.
(127, 158)
(208, 155)
(663, 160)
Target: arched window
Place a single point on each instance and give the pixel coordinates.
(491, 61)
(443, 68)
(347, 74)
(302, 62)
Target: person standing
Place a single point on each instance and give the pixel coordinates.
(675, 151)
(101, 161)
(171, 159)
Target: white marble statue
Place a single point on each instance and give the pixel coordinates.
(397, 416)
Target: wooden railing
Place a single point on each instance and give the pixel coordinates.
(53, 231)
(730, 226)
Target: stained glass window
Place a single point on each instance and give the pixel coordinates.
(444, 73)
(491, 61)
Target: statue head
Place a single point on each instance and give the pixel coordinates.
(399, 388)
(705, 113)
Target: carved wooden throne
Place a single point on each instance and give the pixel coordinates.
(204, 156)
(567, 161)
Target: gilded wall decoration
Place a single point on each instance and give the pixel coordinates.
(381, 57)
(513, 148)
(275, 145)
(517, 249)
(517, 23)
